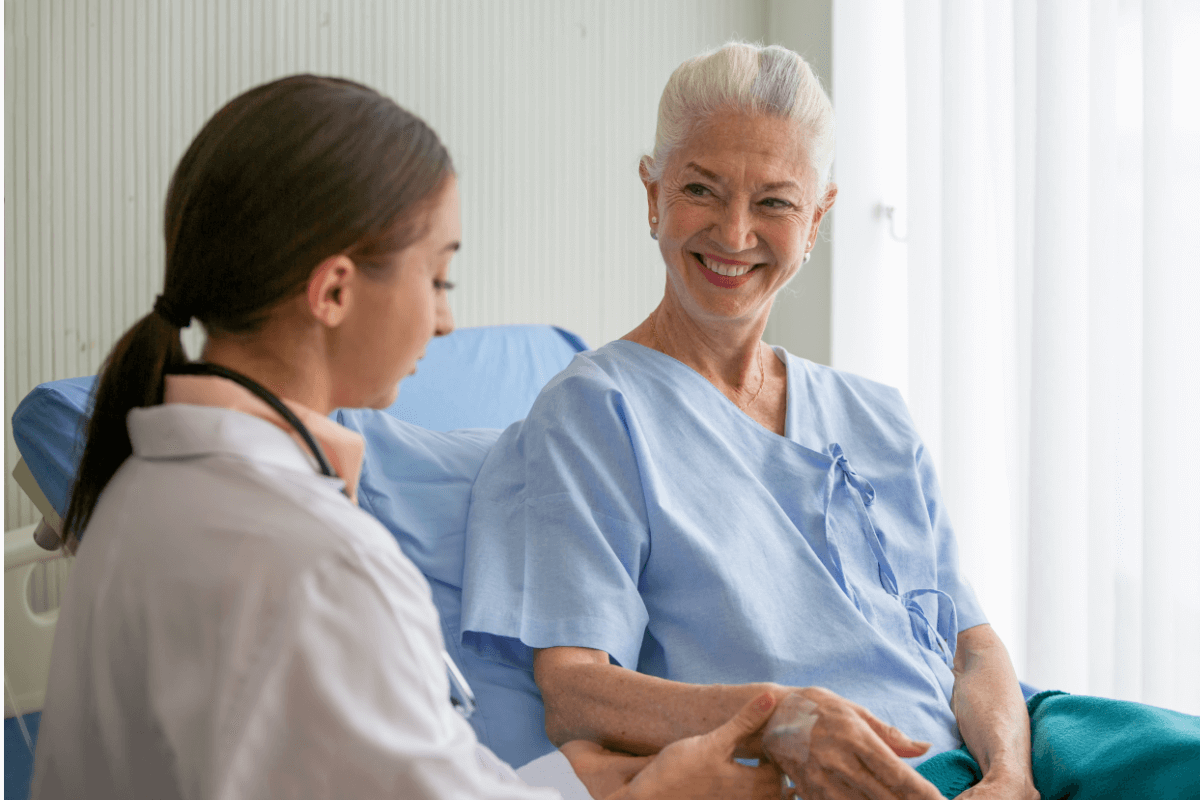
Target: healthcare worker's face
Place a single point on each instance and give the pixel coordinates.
(402, 310)
(737, 211)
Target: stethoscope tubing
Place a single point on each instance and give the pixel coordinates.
(264, 394)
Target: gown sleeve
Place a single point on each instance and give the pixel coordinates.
(920, 495)
(557, 535)
(950, 577)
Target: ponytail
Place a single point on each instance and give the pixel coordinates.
(132, 377)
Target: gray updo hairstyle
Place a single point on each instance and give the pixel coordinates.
(768, 80)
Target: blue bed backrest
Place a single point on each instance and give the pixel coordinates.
(49, 428)
(485, 377)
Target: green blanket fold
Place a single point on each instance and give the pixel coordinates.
(1092, 747)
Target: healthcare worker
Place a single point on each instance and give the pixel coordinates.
(235, 626)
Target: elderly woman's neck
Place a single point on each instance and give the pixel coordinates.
(725, 351)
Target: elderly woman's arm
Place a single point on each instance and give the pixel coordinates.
(695, 767)
(991, 715)
(851, 753)
(588, 698)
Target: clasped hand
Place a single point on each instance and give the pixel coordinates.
(830, 747)
(833, 748)
(690, 769)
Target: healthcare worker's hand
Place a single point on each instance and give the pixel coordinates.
(696, 767)
(833, 748)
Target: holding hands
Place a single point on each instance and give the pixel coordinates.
(833, 748)
(829, 747)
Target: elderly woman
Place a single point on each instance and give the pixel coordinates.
(689, 516)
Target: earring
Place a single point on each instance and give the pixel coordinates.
(654, 235)
(807, 256)
(654, 220)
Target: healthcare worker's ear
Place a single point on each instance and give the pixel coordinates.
(330, 291)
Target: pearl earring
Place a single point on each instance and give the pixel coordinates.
(807, 256)
(654, 220)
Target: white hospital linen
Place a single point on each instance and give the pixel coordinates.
(235, 627)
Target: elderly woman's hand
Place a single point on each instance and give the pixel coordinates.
(1002, 788)
(832, 748)
(696, 767)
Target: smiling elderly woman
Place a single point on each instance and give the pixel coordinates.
(689, 516)
(721, 516)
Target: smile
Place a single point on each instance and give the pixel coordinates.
(725, 276)
(726, 269)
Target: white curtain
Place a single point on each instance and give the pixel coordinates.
(1053, 321)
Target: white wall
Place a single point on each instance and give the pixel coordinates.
(546, 107)
(870, 286)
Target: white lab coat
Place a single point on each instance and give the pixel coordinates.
(235, 627)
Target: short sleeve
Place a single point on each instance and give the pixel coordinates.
(950, 578)
(557, 534)
(351, 698)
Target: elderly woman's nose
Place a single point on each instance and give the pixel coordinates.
(735, 229)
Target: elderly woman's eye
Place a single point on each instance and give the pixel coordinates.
(775, 202)
(696, 189)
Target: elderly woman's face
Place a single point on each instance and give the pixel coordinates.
(737, 211)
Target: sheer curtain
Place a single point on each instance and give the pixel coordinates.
(1052, 267)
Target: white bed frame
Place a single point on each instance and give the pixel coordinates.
(34, 579)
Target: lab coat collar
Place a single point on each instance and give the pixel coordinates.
(171, 435)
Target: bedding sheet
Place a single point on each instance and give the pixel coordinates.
(1093, 748)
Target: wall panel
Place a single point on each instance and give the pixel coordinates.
(545, 106)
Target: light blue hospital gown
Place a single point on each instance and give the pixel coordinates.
(639, 512)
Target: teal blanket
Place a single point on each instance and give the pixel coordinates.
(1090, 747)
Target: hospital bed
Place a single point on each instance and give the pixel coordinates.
(422, 456)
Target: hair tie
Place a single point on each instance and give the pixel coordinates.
(171, 313)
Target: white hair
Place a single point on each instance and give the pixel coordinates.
(748, 77)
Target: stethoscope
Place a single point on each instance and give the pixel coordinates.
(461, 696)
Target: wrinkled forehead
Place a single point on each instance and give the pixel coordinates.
(752, 147)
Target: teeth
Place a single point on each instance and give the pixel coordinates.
(728, 270)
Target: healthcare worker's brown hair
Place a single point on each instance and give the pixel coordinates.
(284, 176)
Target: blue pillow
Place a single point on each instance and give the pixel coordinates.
(49, 427)
(417, 482)
(485, 377)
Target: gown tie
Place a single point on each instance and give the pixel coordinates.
(864, 488)
(940, 637)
